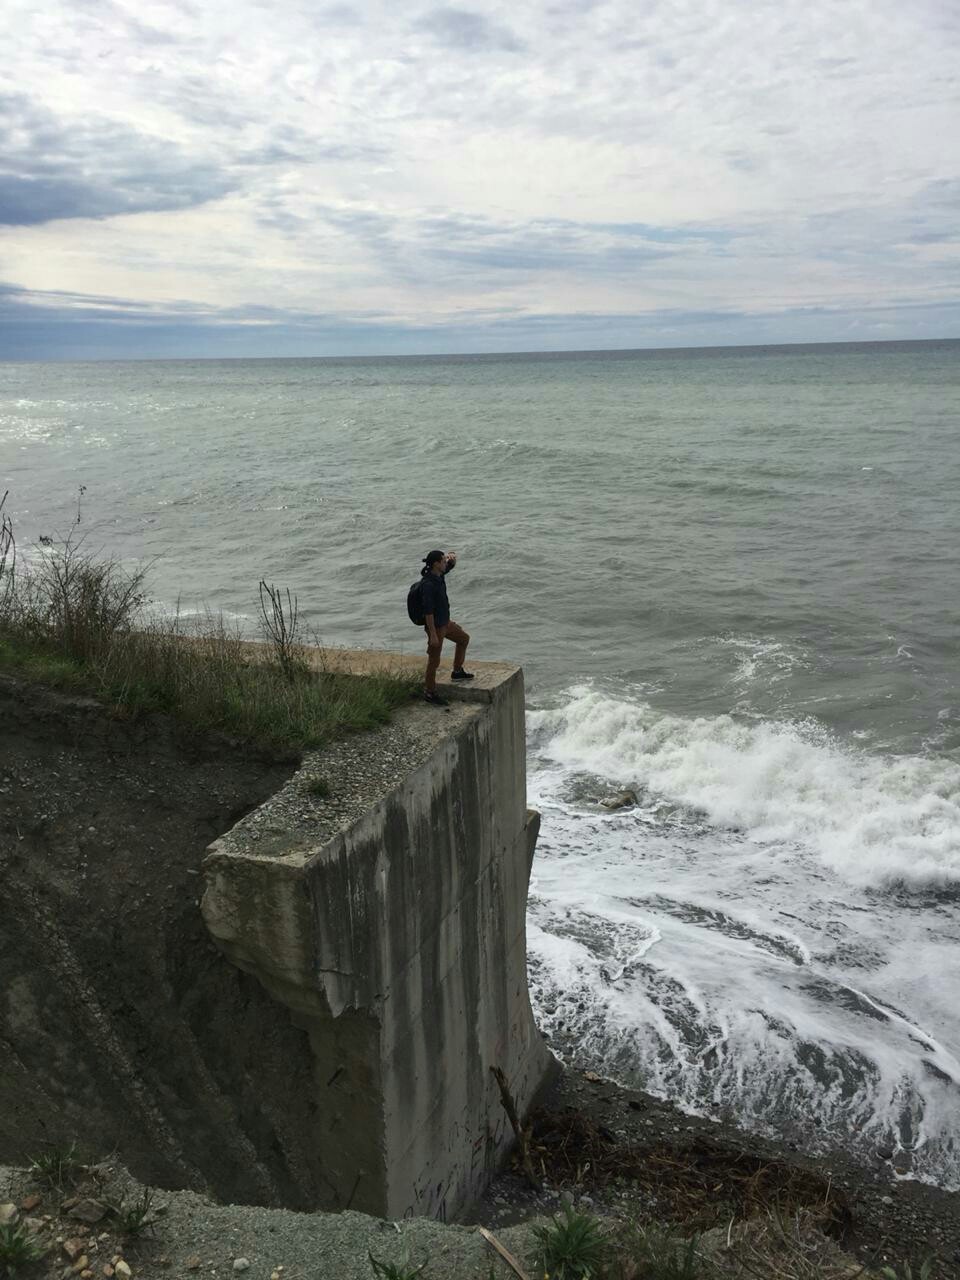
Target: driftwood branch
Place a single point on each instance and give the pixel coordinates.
(504, 1253)
(522, 1135)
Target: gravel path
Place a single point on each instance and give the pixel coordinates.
(196, 1238)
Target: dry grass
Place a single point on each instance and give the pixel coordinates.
(80, 622)
(698, 1185)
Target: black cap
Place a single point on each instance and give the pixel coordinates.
(432, 557)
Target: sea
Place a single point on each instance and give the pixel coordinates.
(732, 578)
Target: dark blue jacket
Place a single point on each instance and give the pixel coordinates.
(433, 595)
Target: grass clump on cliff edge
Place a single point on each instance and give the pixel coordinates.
(80, 622)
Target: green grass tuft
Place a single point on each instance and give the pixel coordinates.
(573, 1246)
(134, 1219)
(662, 1253)
(56, 1168)
(395, 1270)
(18, 1249)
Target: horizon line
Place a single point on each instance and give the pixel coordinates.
(496, 355)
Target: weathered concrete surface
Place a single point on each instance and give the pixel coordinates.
(395, 935)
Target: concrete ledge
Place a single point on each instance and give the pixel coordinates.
(388, 915)
(490, 678)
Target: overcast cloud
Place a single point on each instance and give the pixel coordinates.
(253, 178)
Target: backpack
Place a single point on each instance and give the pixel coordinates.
(415, 604)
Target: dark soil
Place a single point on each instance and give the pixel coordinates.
(118, 1016)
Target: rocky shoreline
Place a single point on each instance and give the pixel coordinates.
(881, 1218)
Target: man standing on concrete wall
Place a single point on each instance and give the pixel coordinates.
(437, 622)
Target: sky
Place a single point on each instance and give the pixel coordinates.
(281, 178)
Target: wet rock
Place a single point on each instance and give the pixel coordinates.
(622, 800)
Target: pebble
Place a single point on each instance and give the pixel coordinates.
(886, 1199)
(241, 1264)
(9, 1213)
(121, 1269)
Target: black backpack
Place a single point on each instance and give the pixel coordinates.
(415, 604)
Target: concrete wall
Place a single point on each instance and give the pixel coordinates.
(397, 941)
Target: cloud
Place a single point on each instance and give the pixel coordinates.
(92, 169)
(63, 325)
(597, 159)
(469, 31)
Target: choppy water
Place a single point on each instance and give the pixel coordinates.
(732, 579)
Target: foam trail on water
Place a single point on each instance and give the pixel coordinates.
(768, 935)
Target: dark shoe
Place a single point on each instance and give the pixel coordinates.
(460, 674)
(434, 699)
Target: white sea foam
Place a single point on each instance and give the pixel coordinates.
(874, 820)
(762, 935)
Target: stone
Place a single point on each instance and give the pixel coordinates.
(121, 1269)
(622, 800)
(29, 1203)
(86, 1275)
(73, 1248)
(192, 1263)
(81, 1264)
(108, 1269)
(241, 1264)
(9, 1213)
(88, 1211)
(884, 1153)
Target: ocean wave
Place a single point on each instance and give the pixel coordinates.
(877, 821)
